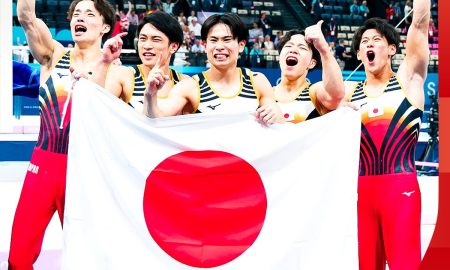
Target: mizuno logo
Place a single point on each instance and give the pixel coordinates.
(33, 168)
(213, 107)
(408, 193)
(62, 75)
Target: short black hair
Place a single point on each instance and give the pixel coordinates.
(165, 23)
(293, 32)
(382, 26)
(105, 9)
(237, 26)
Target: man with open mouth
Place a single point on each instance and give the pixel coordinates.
(301, 51)
(389, 200)
(43, 191)
(224, 88)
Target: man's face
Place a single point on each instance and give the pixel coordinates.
(87, 24)
(152, 43)
(222, 48)
(374, 50)
(296, 57)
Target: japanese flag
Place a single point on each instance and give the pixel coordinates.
(208, 191)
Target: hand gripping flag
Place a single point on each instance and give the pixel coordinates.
(208, 191)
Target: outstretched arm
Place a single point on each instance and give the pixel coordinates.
(39, 38)
(415, 64)
(330, 91)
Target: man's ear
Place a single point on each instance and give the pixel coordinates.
(106, 28)
(312, 64)
(173, 47)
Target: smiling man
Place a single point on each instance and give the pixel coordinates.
(43, 191)
(301, 51)
(159, 35)
(224, 87)
(389, 200)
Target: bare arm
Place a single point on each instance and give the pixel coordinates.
(119, 82)
(330, 91)
(111, 51)
(413, 69)
(39, 38)
(180, 95)
(269, 112)
(129, 8)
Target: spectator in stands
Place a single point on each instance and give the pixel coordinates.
(408, 7)
(235, 89)
(268, 44)
(265, 23)
(132, 28)
(192, 16)
(256, 56)
(354, 8)
(341, 54)
(432, 32)
(301, 51)
(169, 5)
(192, 38)
(43, 191)
(181, 18)
(159, 36)
(186, 31)
(124, 23)
(198, 53)
(181, 56)
(260, 41)
(244, 58)
(364, 10)
(408, 20)
(195, 27)
(389, 200)
(390, 14)
(255, 32)
(332, 30)
(397, 13)
(277, 39)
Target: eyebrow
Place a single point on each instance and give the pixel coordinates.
(298, 44)
(377, 35)
(87, 10)
(229, 36)
(150, 36)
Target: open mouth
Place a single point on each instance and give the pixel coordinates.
(80, 28)
(291, 61)
(148, 54)
(370, 56)
(220, 56)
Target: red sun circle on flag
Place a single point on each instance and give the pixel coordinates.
(204, 208)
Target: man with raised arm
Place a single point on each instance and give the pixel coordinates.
(389, 201)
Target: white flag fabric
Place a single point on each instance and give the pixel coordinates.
(208, 191)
